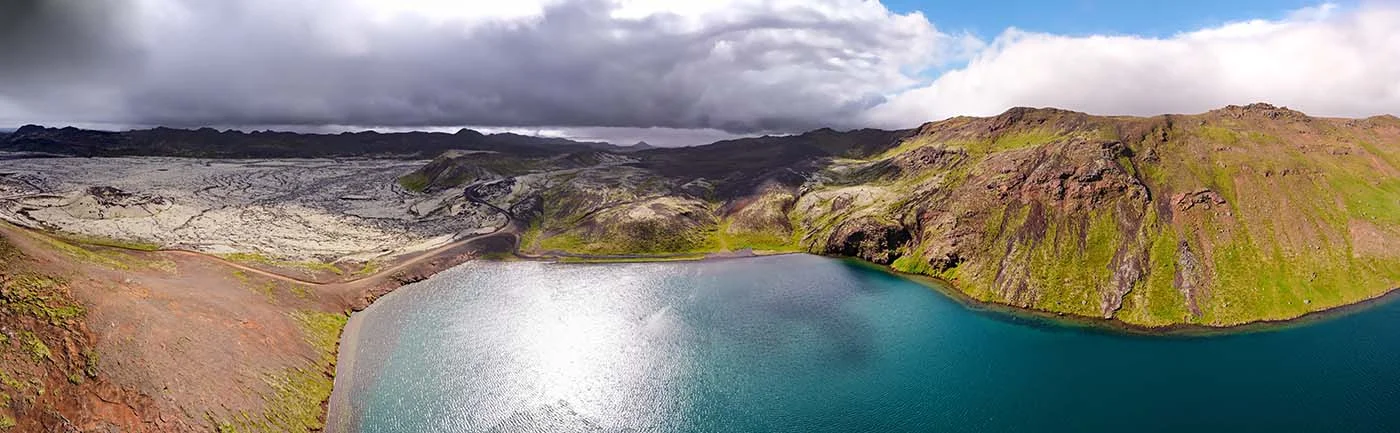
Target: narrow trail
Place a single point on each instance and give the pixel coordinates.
(294, 280)
(239, 266)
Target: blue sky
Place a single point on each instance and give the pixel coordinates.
(987, 19)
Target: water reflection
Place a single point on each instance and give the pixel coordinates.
(563, 346)
(807, 344)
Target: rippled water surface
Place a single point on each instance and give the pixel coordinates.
(810, 344)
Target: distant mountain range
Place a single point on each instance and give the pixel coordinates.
(211, 143)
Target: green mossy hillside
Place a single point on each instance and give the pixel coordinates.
(1241, 214)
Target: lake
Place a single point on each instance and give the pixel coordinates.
(801, 343)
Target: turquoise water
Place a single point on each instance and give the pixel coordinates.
(811, 344)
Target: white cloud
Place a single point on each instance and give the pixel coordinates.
(737, 65)
(446, 10)
(1320, 60)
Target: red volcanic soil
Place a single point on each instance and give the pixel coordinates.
(105, 339)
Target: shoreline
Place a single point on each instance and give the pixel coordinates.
(344, 368)
(1039, 317)
(347, 341)
(566, 257)
(1115, 326)
(370, 288)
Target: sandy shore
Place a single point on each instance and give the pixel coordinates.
(344, 376)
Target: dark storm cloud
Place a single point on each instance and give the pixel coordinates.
(188, 63)
(51, 42)
(43, 37)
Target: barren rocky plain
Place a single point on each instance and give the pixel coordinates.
(164, 280)
(301, 210)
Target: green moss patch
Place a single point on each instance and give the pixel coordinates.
(368, 268)
(643, 239)
(1023, 139)
(1071, 265)
(731, 238)
(38, 296)
(322, 331)
(113, 260)
(35, 347)
(415, 181)
(1216, 134)
(1377, 201)
(295, 403)
(110, 242)
(913, 263)
(259, 259)
(1155, 301)
(293, 406)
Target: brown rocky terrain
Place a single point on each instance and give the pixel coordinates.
(98, 338)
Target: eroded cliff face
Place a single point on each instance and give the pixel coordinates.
(1237, 215)
(1241, 214)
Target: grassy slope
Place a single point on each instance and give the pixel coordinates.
(297, 393)
(629, 215)
(1282, 248)
(1296, 191)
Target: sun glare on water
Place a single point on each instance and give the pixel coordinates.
(588, 352)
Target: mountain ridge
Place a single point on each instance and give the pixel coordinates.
(211, 143)
(236, 143)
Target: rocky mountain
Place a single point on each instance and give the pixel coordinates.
(1241, 214)
(211, 143)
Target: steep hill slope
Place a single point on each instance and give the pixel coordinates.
(1236, 215)
(1241, 214)
(97, 339)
